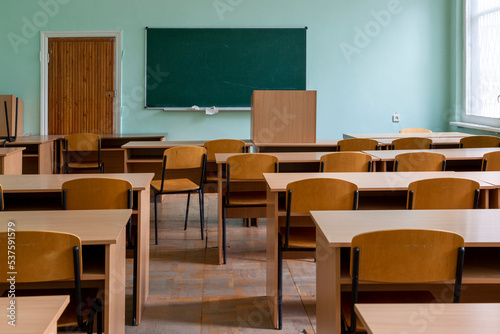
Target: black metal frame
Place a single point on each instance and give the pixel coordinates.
(100, 163)
(355, 284)
(226, 200)
(200, 192)
(282, 249)
(10, 138)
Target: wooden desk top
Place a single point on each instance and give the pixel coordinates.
(286, 157)
(449, 153)
(480, 228)
(168, 144)
(404, 135)
(368, 181)
(53, 182)
(460, 318)
(34, 140)
(94, 227)
(6, 151)
(318, 143)
(34, 315)
(435, 140)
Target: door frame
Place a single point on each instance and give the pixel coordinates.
(44, 72)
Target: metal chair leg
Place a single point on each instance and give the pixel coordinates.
(224, 233)
(156, 219)
(280, 285)
(187, 212)
(201, 213)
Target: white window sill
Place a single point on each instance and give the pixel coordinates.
(476, 126)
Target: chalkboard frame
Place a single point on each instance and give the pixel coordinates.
(166, 106)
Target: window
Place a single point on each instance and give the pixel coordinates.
(482, 62)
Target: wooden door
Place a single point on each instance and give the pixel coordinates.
(81, 85)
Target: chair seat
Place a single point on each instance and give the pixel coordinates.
(382, 297)
(68, 318)
(299, 237)
(87, 164)
(174, 185)
(212, 177)
(248, 198)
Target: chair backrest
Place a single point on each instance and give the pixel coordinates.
(346, 162)
(321, 194)
(250, 166)
(479, 141)
(411, 143)
(1, 198)
(443, 193)
(414, 130)
(78, 142)
(184, 157)
(223, 146)
(407, 255)
(357, 144)
(491, 161)
(96, 194)
(41, 256)
(419, 162)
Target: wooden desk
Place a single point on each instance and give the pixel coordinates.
(141, 157)
(43, 192)
(335, 230)
(393, 136)
(379, 185)
(94, 227)
(456, 158)
(40, 156)
(321, 145)
(429, 318)
(11, 160)
(112, 153)
(34, 315)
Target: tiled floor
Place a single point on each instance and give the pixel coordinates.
(190, 293)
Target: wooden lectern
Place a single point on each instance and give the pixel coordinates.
(284, 116)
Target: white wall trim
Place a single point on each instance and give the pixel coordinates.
(475, 126)
(44, 77)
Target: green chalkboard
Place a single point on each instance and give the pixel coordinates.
(221, 67)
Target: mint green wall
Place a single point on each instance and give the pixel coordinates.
(404, 67)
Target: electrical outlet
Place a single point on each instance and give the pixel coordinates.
(395, 118)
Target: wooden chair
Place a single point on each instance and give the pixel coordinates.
(491, 162)
(443, 193)
(83, 152)
(103, 194)
(302, 197)
(183, 172)
(411, 143)
(43, 256)
(414, 130)
(346, 162)
(1, 199)
(479, 141)
(220, 146)
(419, 162)
(386, 257)
(246, 168)
(357, 144)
